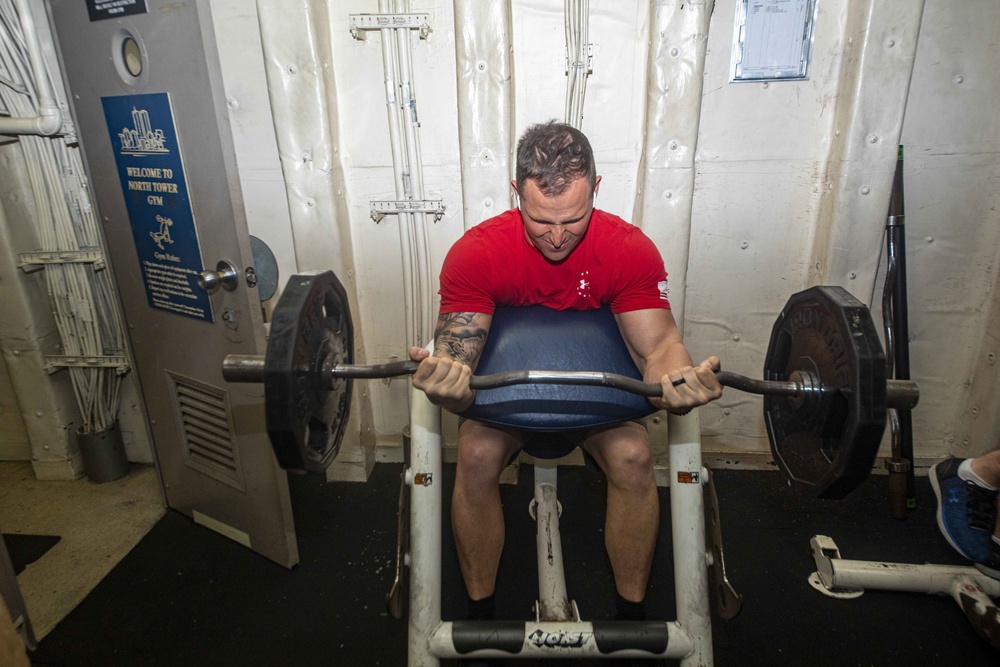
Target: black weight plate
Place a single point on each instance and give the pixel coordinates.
(306, 412)
(827, 443)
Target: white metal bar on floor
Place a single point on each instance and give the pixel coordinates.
(836, 573)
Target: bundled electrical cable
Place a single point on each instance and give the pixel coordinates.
(83, 301)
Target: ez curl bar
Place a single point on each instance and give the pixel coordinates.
(801, 386)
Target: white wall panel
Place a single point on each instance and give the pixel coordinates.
(952, 139)
(760, 161)
(485, 86)
(793, 182)
(261, 178)
(613, 108)
(782, 185)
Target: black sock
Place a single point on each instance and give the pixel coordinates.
(628, 610)
(483, 610)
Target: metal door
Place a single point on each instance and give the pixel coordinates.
(147, 90)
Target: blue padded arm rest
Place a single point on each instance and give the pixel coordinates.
(540, 338)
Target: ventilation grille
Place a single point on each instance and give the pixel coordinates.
(206, 424)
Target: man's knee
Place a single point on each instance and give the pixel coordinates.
(631, 465)
(625, 456)
(483, 453)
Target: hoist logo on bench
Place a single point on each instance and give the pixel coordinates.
(688, 477)
(541, 639)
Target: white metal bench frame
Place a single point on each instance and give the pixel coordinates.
(432, 639)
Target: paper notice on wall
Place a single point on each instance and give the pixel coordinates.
(773, 39)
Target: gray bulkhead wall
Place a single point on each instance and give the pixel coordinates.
(14, 443)
(38, 411)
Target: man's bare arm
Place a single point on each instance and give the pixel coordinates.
(445, 375)
(657, 349)
(461, 336)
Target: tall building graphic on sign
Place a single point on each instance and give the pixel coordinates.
(140, 120)
(141, 138)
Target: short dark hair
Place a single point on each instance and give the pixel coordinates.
(554, 155)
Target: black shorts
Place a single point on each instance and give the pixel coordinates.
(552, 444)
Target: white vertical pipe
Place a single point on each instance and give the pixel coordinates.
(425, 527)
(570, 58)
(577, 31)
(553, 600)
(687, 517)
(49, 119)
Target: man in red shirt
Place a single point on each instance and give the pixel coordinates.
(557, 250)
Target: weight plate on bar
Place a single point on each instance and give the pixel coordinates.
(827, 442)
(306, 409)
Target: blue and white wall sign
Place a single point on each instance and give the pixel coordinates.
(144, 140)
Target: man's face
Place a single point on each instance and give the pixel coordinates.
(556, 224)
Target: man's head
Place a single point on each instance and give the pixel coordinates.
(556, 182)
(553, 155)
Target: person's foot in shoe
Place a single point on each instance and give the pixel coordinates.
(967, 508)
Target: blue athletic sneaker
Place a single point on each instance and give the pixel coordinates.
(966, 512)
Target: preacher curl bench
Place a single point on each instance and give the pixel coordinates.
(538, 337)
(825, 399)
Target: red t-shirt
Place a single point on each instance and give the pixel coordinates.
(494, 264)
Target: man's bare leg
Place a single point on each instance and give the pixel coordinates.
(476, 513)
(633, 514)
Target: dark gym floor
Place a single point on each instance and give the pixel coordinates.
(187, 596)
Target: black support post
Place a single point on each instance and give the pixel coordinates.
(900, 337)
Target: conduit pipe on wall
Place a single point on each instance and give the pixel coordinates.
(390, 55)
(49, 119)
(674, 83)
(411, 122)
(483, 47)
(577, 36)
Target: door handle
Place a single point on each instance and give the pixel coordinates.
(225, 275)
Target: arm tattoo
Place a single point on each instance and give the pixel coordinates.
(460, 336)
